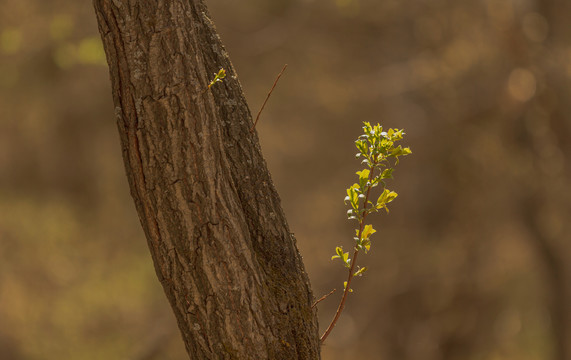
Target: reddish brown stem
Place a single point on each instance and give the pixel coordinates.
(351, 269)
(323, 298)
(267, 97)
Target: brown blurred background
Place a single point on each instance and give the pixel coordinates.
(473, 261)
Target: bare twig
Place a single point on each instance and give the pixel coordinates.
(323, 298)
(267, 97)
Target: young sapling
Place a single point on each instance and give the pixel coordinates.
(380, 155)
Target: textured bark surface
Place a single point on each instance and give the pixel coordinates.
(213, 220)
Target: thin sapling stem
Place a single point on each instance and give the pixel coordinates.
(267, 97)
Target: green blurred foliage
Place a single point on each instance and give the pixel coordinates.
(477, 269)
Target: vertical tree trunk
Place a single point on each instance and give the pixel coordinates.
(213, 221)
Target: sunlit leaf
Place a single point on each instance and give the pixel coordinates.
(387, 173)
(360, 271)
(367, 231)
(363, 178)
(353, 196)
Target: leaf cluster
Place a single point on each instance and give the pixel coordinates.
(380, 154)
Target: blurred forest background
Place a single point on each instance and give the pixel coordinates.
(474, 260)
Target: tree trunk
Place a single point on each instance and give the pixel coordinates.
(217, 234)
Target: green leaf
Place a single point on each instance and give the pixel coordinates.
(345, 286)
(387, 173)
(395, 135)
(363, 178)
(362, 146)
(353, 196)
(367, 231)
(400, 151)
(391, 196)
(386, 197)
(344, 256)
(367, 129)
(360, 271)
(386, 144)
(346, 260)
(218, 77)
(363, 244)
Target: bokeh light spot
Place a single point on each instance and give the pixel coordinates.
(65, 55)
(61, 27)
(348, 7)
(535, 27)
(10, 41)
(90, 51)
(521, 84)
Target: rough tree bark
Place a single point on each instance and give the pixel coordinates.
(217, 234)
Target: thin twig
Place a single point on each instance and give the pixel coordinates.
(323, 298)
(351, 269)
(267, 97)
